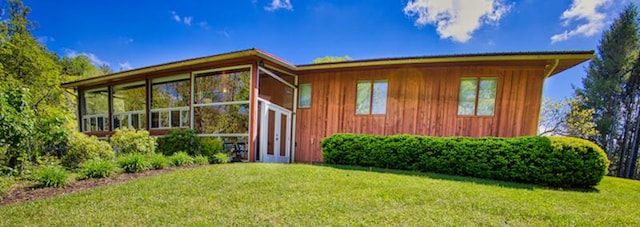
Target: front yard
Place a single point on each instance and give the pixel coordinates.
(272, 194)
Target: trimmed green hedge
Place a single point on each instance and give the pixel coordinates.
(553, 161)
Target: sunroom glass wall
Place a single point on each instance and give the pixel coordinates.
(170, 103)
(221, 102)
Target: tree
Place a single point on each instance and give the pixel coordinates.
(29, 69)
(567, 118)
(610, 89)
(328, 59)
(79, 66)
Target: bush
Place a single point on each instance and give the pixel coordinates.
(180, 140)
(553, 161)
(51, 176)
(200, 160)
(83, 148)
(128, 140)
(220, 158)
(133, 163)
(211, 147)
(158, 161)
(97, 168)
(181, 159)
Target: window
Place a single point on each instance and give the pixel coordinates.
(221, 102)
(95, 113)
(170, 102)
(371, 97)
(305, 96)
(477, 99)
(129, 105)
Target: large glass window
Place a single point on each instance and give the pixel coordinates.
(170, 102)
(129, 105)
(477, 99)
(371, 97)
(95, 113)
(305, 96)
(221, 102)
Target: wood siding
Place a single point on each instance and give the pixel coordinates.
(421, 100)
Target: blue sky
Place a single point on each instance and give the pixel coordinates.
(133, 34)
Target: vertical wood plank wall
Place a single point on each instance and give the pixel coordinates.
(420, 100)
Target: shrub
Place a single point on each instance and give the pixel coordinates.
(128, 140)
(211, 147)
(51, 176)
(97, 168)
(553, 161)
(83, 148)
(200, 160)
(220, 158)
(133, 163)
(181, 159)
(158, 161)
(180, 140)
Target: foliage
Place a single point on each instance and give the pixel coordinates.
(211, 147)
(51, 176)
(181, 159)
(158, 161)
(180, 140)
(567, 118)
(51, 132)
(133, 163)
(6, 183)
(129, 140)
(220, 158)
(611, 89)
(16, 125)
(559, 162)
(97, 168)
(200, 160)
(83, 148)
(328, 59)
(328, 196)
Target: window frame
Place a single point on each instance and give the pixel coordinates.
(372, 83)
(167, 110)
(478, 80)
(300, 95)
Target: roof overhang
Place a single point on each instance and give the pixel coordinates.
(178, 64)
(555, 62)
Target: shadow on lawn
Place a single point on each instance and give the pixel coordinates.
(438, 176)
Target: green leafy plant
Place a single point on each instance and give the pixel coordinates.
(129, 140)
(554, 161)
(133, 163)
(211, 147)
(97, 168)
(181, 159)
(83, 148)
(51, 176)
(221, 158)
(158, 161)
(200, 160)
(180, 140)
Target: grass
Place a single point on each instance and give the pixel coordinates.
(273, 194)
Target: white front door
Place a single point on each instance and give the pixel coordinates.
(275, 133)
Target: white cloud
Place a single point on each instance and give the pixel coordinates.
(279, 4)
(92, 57)
(588, 13)
(456, 19)
(223, 33)
(45, 39)
(125, 66)
(204, 25)
(175, 16)
(187, 20)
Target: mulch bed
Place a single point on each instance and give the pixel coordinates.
(29, 192)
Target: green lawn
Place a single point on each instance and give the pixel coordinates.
(273, 194)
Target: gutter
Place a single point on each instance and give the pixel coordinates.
(553, 68)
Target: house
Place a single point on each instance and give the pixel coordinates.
(279, 112)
